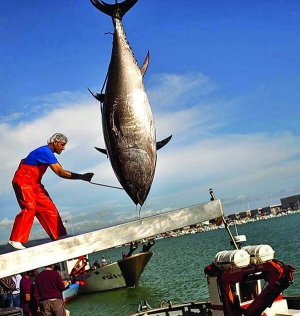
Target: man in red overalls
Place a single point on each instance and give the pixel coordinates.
(32, 197)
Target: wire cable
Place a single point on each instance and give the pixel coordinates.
(105, 185)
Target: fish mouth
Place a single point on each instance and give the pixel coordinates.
(137, 168)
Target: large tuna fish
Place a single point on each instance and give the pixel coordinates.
(128, 125)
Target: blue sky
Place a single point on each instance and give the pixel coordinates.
(223, 79)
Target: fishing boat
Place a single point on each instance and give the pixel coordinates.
(70, 292)
(86, 278)
(246, 280)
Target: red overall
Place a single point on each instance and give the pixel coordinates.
(34, 200)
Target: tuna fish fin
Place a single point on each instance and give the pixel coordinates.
(163, 142)
(145, 64)
(102, 150)
(97, 96)
(117, 10)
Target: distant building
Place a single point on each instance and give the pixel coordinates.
(287, 203)
(264, 211)
(245, 214)
(232, 217)
(290, 202)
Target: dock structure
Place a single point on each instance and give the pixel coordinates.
(72, 247)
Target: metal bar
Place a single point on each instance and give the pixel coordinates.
(211, 192)
(72, 247)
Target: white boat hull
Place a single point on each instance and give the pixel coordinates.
(103, 279)
(122, 273)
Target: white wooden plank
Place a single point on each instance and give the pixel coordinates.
(72, 247)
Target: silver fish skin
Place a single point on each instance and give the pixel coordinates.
(127, 120)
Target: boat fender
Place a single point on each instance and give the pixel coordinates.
(161, 304)
(168, 303)
(140, 307)
(143, 306)
(147, 305)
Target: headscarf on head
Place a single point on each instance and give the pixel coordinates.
(59, 137)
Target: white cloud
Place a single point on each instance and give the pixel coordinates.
(170, 91)
(198, 157)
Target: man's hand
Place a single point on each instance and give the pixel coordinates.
(87, 176)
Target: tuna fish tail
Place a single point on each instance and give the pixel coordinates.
(116, 10)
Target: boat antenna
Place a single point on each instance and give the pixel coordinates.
(212, 198)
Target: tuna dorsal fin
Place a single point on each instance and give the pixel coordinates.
(102, 150)
(117, 10)
(163, 142)
(145, 64)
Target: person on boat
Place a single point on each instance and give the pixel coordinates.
(103, 261)
(32, 197)
(96, 265)
(133, 247)
(146, 247)
(124, 255)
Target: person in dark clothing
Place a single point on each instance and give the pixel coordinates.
(48, 292)
(25, 293)
(146, 247)
(133, 247)
(32, 197)
(33, 305)
(96, 265)
(7, 286)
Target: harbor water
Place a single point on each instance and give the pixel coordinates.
(175, 272)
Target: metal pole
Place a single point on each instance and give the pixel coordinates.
(105, 185)
(211, 192)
